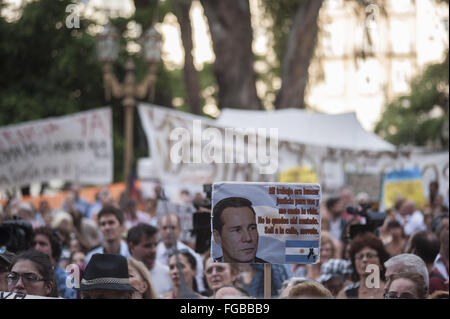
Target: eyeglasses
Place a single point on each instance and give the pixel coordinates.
(218, 268)
(368, 255)
(27, 278)
(393, 295)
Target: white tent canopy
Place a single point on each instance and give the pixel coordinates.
(311, 128)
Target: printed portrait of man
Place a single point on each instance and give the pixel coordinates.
(235, 230)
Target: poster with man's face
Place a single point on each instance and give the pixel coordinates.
(273, 223)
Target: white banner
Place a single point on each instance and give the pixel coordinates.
(12, 295)
(333, 166)
(75, 148)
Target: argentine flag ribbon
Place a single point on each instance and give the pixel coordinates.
(302, 251)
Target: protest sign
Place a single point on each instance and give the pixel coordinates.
(407, 183)
(75, 148)
(299, 174)
(266, 223)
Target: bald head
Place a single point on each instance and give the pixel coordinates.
(407, 208)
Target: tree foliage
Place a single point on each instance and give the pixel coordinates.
(421, 117)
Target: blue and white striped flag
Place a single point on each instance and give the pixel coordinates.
(302, 251)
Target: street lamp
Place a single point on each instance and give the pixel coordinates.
(129, 90)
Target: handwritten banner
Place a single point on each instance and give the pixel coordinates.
(333, 166)
(75, 148)
(266, 223)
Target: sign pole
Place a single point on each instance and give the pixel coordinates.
(267, 281)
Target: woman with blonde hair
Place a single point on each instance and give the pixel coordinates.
(328, 251)
(141, 280)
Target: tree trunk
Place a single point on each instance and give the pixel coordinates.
(296, 60)
(182, 8)
(231, 32)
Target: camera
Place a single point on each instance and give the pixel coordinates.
(374, 220)
(201, 221)
(16, 235)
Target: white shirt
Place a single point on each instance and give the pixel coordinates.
(414, 223)
(162, 256)
(161, 278)
(101, 250)
(440, 266)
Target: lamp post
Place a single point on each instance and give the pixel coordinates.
(129, 90)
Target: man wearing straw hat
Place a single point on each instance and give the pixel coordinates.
(106, 277)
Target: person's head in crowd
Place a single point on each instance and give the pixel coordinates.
(287, 285)
(346, 196)
(142, 240)
(407, 285)
(106, 277)
(231, 292)
(78, 258)
(198, 197)
(433, 191)
(110, 220)
(328, 247)
(47, 241)
(334, 274)
(140, 280)
(149, 205)
(25, 211)
(309, 290)
(399, 200)
(130, 208)
(395, 229)
(44, 207)
(62, 221)
(31, 273)
(6, 258)
(218, 274)
(367, 249)
(405, 263)
(439, 223)
(235, 229)
(407, 208)
(77, 243)
(424, 244)
(325, 223)
(70, 201)
(77, 218)
(75, 191)
(185, 197)
(188, 265)
(362, 198)
(440, 227)
(170, 228)
(334, 207)
(45, 211)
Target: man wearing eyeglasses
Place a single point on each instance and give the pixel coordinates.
(170, 229)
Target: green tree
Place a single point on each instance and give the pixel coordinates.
(421, 117)
(51, 70)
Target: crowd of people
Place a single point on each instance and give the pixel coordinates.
(132, 248)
